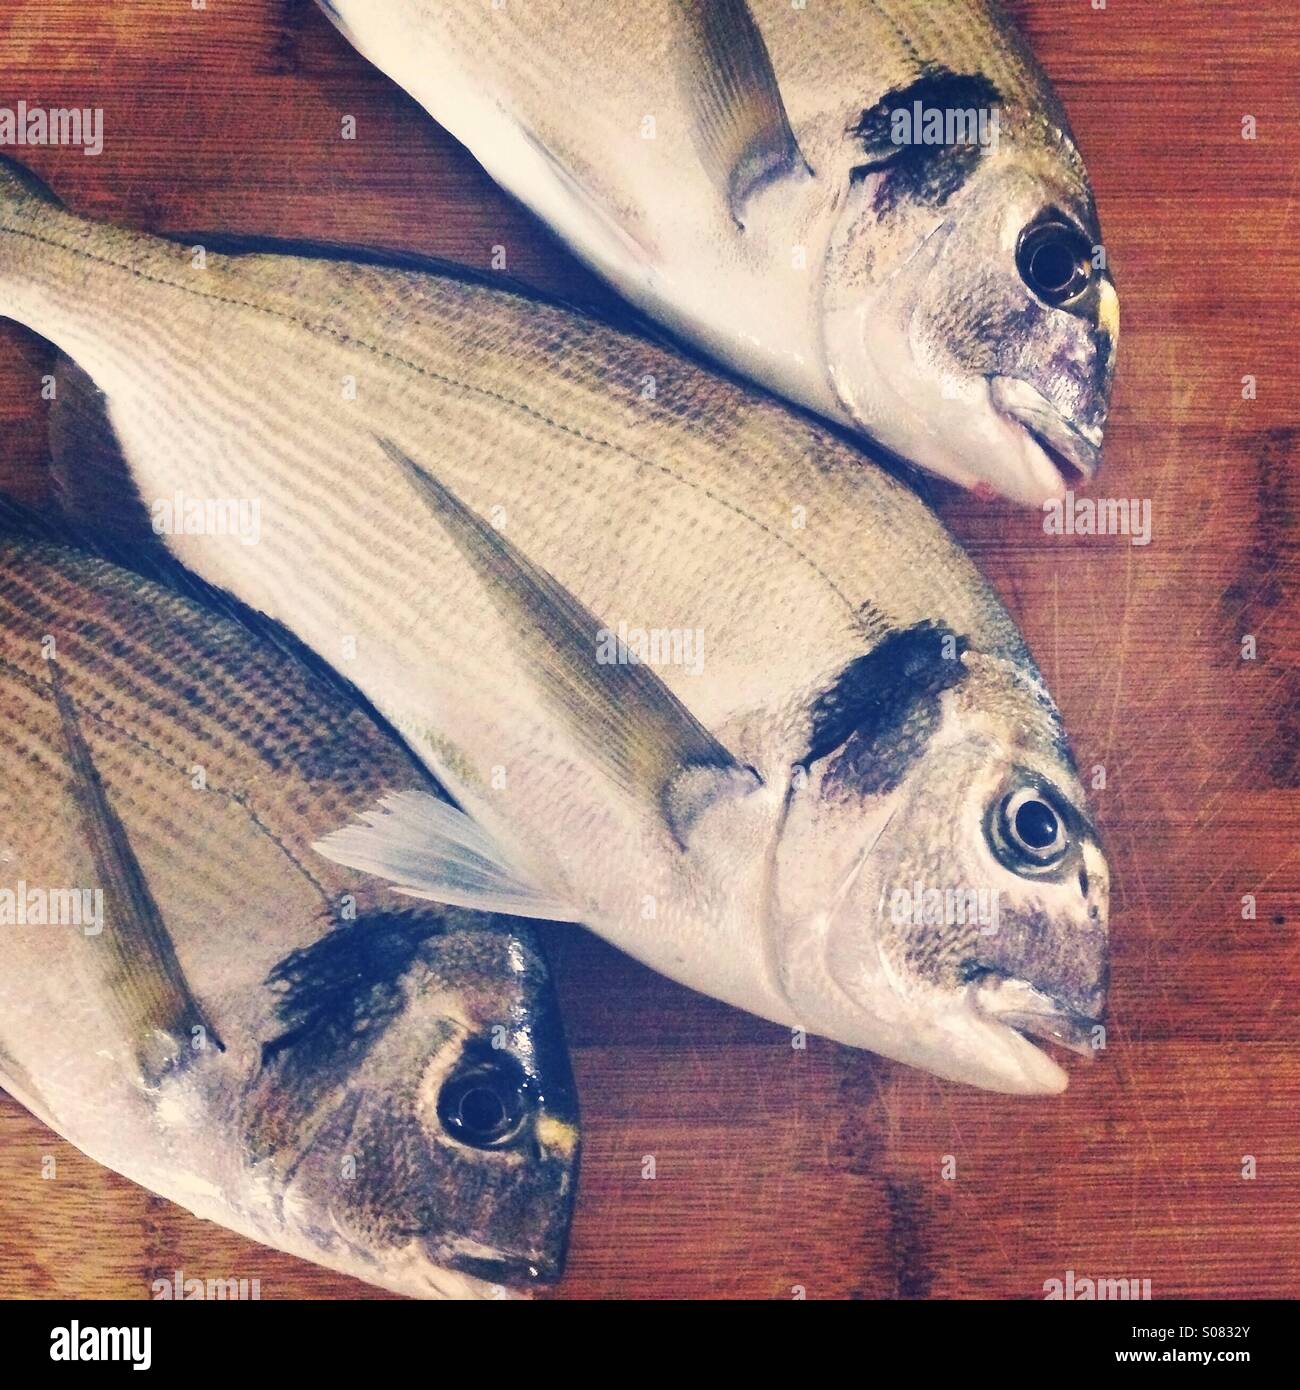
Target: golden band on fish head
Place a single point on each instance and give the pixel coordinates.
(966, 906)
(970, 320)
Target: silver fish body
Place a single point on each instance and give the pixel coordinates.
(875, 209)
(700, 677)
(200, 1002)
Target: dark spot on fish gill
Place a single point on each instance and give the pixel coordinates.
(883, 707)
(337, 998)
(917, 172)
(339, 993)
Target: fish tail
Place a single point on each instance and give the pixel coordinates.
(27, 207)
(65, 276)
(22, 194)
(34, 251)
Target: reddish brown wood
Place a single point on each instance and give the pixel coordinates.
(822, 1169)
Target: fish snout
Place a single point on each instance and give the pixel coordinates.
(1047, 973)
(528, 1245)
(1071, 448)
(1070, 1022)
(536, 1269)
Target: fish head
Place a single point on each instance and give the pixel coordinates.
(497, 1104)
(420, 1105)
(941, 892)
(969, 321)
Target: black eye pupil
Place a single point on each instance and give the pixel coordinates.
(1053, 266)
(484, 1103)
(481, 1110)
(1028, 830)
(1036, 824)
(1055, 260)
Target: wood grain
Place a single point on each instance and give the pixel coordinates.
(822, 1169)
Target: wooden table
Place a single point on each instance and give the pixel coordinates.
(822, 1169)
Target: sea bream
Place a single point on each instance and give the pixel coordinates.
(874, 207)
(198, 1000)
(695, 673)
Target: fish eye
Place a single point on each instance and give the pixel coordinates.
(485, 1103)
(1028, 832)
(1055, 261)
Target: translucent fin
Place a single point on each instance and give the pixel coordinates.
(429, 849)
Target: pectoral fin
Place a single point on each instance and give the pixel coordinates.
(145, 981)
(429, 849)
(742, 130)
(623, 715)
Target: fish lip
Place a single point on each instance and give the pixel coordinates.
(520, 1271)
(1065, 1029)
(1036, 1014)
(1067, 449)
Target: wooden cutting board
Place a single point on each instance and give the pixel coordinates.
(823, 1170)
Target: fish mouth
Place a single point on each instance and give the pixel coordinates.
(517, 1271)
(1070, 1031)
(1070, 453)
(1035, 1014)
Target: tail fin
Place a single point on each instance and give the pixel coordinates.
(21, 190)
